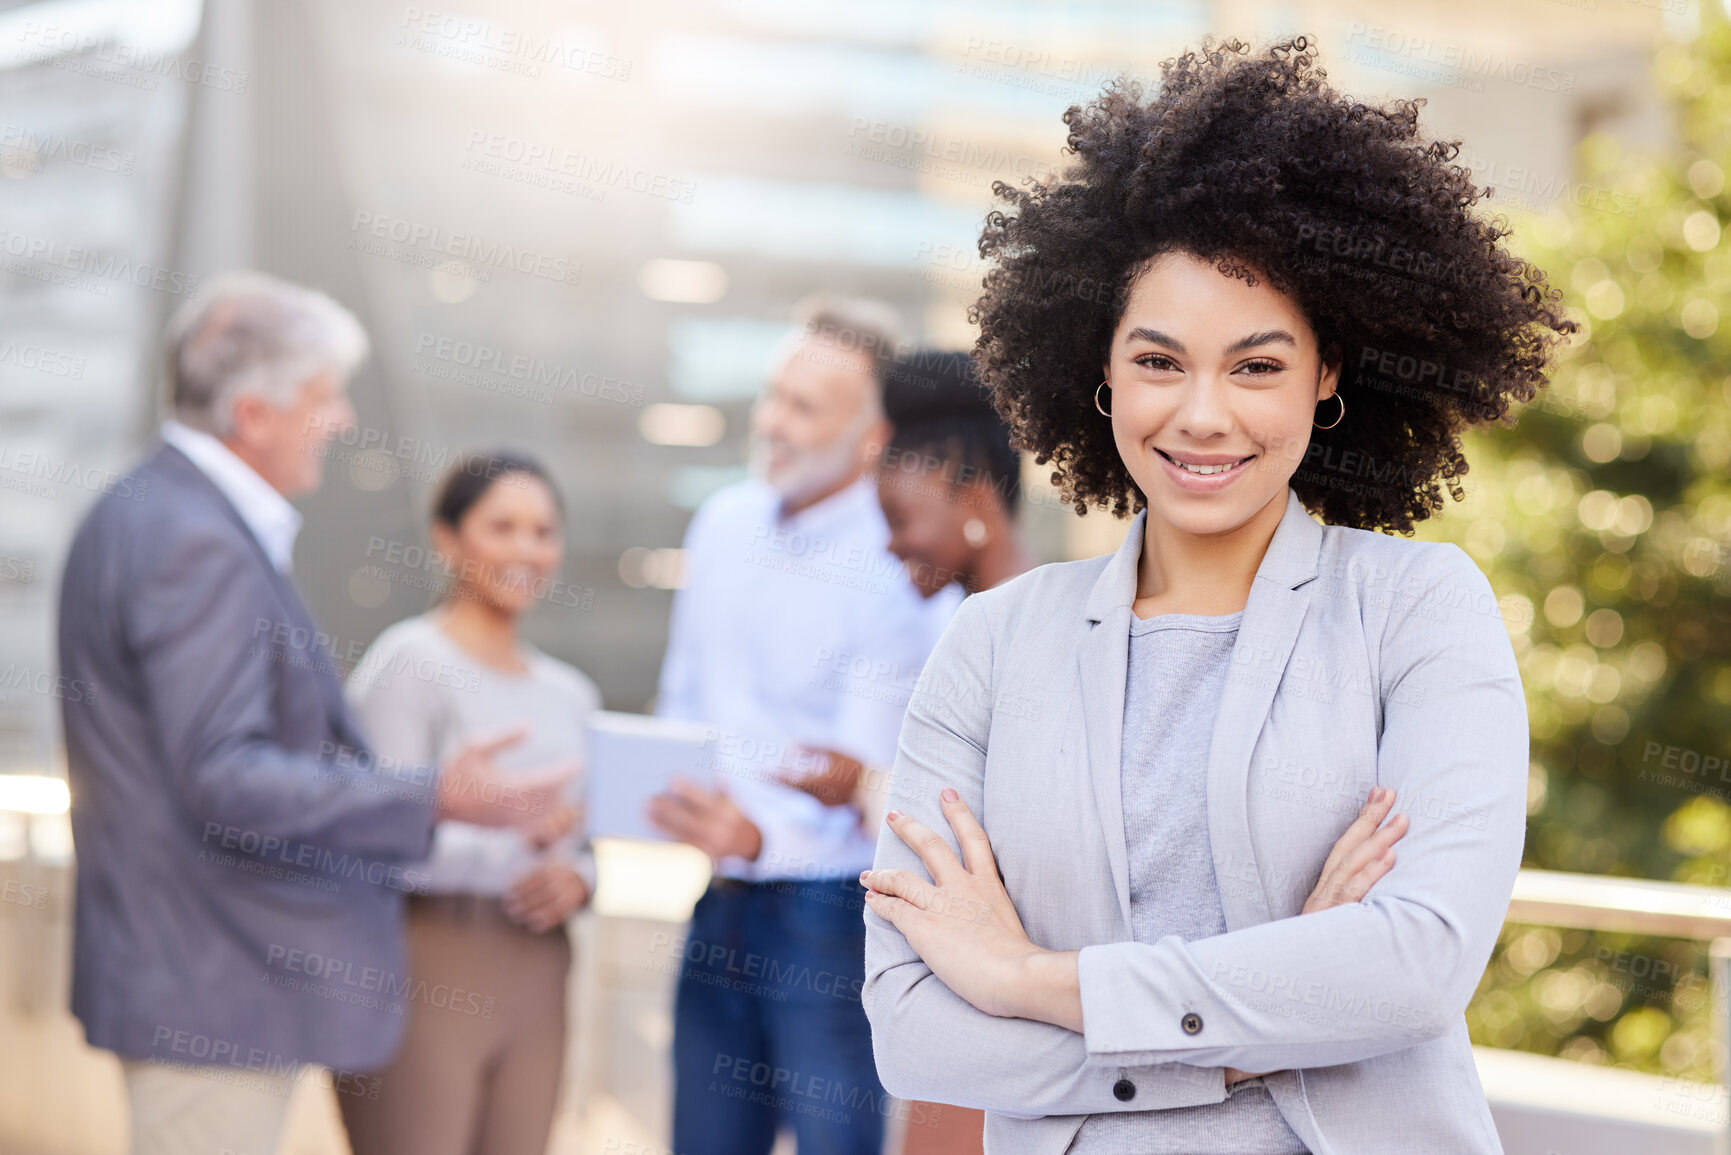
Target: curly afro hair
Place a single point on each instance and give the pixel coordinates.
(1254, 163)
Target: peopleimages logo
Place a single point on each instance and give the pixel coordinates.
(458, 37)
(376, 233)
(407, 556)
(494, 154)
(365, 986)
(276, 853)
(535, 371)
(22, 148)
(24, 250)
(43, 360)
(71, 48)
(1459, 65)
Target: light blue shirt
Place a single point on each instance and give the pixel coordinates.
(792, 634)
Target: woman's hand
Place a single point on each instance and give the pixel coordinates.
(964, 927)
(962, 922)
(1361, 856)
(545, 897)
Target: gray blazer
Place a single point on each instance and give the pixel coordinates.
(240, 872)
(1361, 659)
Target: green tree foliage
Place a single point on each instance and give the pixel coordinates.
(1603, 519)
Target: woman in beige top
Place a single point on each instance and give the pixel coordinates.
(479, 1067)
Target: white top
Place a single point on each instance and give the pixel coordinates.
(273, 521)
(418, 696)
(789, 633)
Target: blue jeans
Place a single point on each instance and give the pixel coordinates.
(768, 1026)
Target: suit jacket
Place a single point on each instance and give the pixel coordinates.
(1361, 659)
(241, 865)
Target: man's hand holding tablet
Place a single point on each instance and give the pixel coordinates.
(707, 819)
(654, 778)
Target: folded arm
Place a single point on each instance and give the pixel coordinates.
(930, 1043)
(1335, 986)
(1399, 967)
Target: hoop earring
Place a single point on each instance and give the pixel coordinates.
(1337, 420)
(1097, 388)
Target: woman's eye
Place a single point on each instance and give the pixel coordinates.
(1156, 361)
(1261, 368)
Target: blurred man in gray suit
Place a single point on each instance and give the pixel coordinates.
(242, 861)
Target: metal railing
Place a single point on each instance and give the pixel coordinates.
(35, 985)
(1637, 906)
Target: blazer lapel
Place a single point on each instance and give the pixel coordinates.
(1278, 601)
(1104, 659)
(324, 666)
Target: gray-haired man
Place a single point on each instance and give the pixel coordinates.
(229, 825)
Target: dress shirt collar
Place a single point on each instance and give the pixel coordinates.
(273, 521)
(842, 506)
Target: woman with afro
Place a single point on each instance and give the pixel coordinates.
(1139, 890)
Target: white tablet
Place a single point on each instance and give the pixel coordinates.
(632, 758)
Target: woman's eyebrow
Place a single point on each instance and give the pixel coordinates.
(1272, 336)
(1268, 338)
(1142, 333)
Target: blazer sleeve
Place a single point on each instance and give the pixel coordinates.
(1380, 975)
(212, 689)
(928, 1042)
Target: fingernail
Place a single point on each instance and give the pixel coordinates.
(892, 816)
(863, 875)
(950, 795)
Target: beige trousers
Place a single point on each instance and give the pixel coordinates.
(191, 1110)
(479, 1068)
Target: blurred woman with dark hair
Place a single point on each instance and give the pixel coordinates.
(949, 487)
(948, 479)
(479, 1069)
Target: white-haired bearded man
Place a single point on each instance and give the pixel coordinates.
(796, 637)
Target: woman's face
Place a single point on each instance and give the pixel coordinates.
(508, 545)
(1208, 370)
(926, 512)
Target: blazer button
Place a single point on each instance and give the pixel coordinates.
(1124, 1090)
(1192, 1023)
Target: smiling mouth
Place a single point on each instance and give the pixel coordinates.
(1205, 470)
